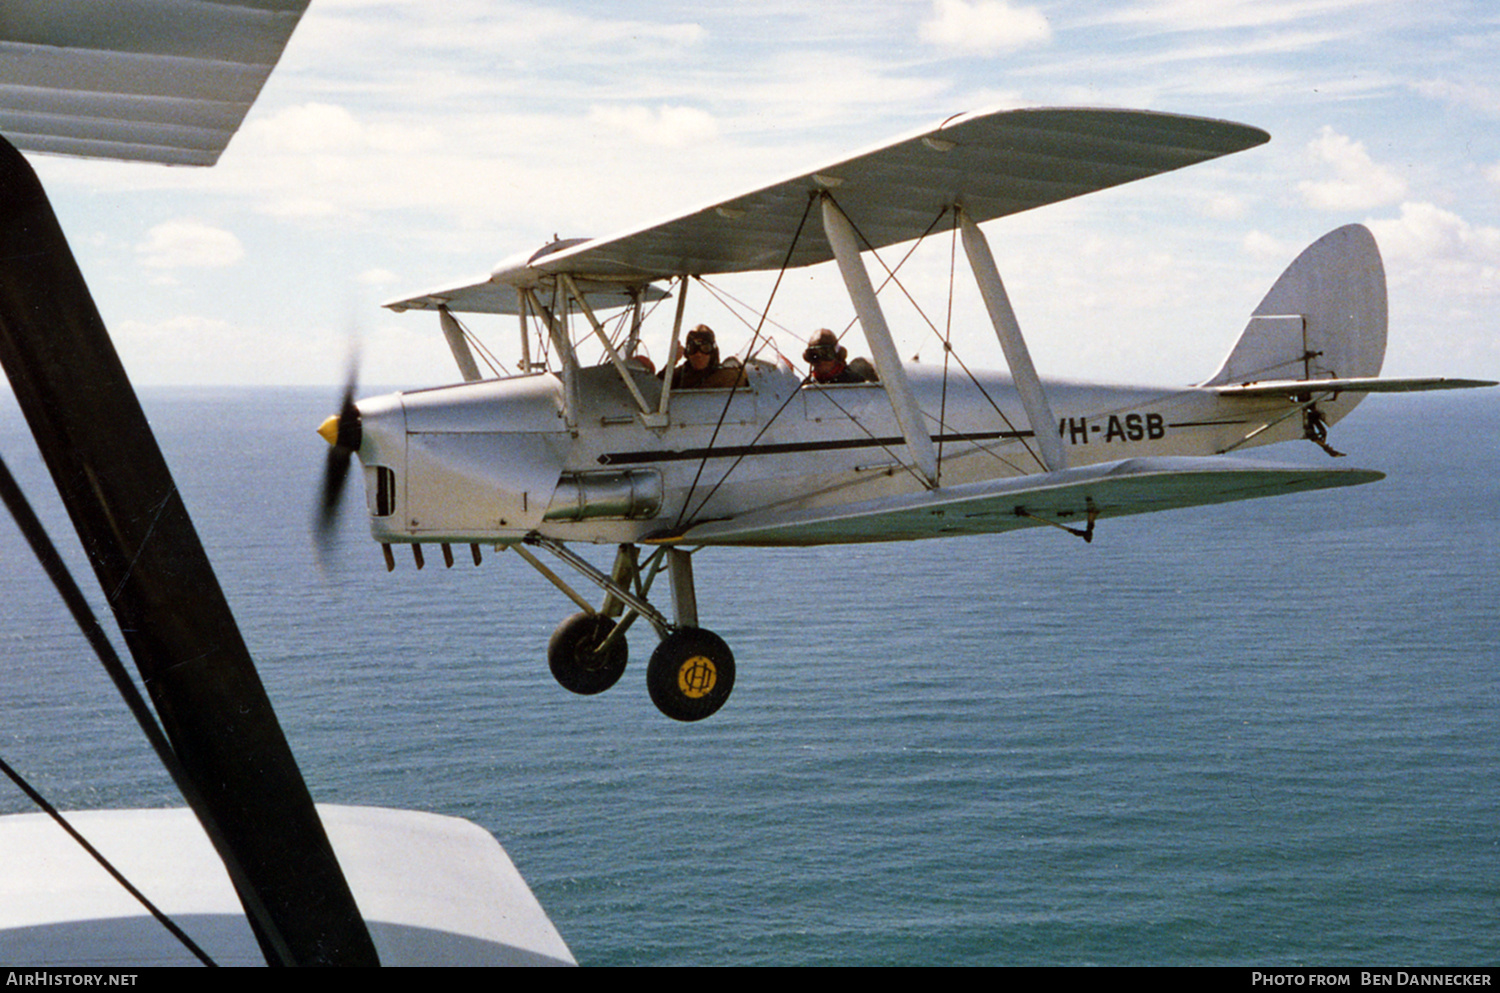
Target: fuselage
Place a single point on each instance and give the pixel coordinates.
(497, 460)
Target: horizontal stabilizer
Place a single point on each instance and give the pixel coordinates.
(1069, 497)
(1367, 384)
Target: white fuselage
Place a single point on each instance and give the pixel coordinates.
(495, 461)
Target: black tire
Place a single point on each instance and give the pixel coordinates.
(690, 674)
(574, 659)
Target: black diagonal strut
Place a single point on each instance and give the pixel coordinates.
(115, 484)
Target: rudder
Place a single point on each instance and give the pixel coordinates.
(1324, 318)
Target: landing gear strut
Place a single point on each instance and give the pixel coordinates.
(690, 673)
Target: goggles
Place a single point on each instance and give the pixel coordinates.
(695, 345)
(820, 353)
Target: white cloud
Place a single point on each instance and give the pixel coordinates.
(203, 350)
(1259, 245)
(1472, 96)
(310, 127)
(668, 127)
(1427, 233)
(1194, 15)
(522, 27)
(1358, 183)
(986, 26)
(377, 277)
(1224, 206)
(1445, 280)
(316, 128)
(299, 208)
(186, 243)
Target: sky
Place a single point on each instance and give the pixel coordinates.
(402, 145)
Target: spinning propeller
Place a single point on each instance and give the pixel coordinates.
(342, 432)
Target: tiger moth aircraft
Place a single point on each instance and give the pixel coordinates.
(610, 453)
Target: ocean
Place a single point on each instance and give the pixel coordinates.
(1255, 734)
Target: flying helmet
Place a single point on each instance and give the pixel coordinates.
(824, 346)
(701, 339)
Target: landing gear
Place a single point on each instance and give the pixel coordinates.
(690, 674)
(1315, 430)
(582, 655)
(692, 670)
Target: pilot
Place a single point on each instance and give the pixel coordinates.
(700, 367)
(826, 356)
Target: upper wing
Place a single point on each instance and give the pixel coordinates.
(149, 80)
(1110, 489)
(486, 295)
(994, 164)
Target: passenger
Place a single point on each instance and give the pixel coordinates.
(826, 356)
(701, 368)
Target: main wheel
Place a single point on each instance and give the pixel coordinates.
(690, 674)
(575, 660)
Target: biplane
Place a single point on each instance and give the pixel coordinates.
(607, 452)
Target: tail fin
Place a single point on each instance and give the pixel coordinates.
(1324, 319)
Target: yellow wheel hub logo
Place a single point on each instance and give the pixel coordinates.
(696, 677)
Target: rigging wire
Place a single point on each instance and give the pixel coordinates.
(544, 341)
(108, 867)
(52, 563)
(890, 274)
(490, 359)
(807, 379)
(781, 274)
(948, 350)
(720, 294)
(910, 469)
(947, 346)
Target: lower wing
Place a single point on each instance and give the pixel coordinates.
(1072, 496)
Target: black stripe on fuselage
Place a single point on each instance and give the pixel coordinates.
(1207, 424)
(740, 451)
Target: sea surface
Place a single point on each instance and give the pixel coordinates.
(1265, 733)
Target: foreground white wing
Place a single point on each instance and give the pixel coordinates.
(1069, 497)
(434, 890)
(160, 81)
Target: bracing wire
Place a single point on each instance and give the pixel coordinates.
(488, 357)
(781, 274)
(806, 380)
(83, 615)
(948, 350)
(947, 346)
(722, 295)
(104, 863)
